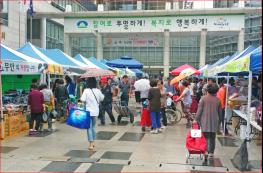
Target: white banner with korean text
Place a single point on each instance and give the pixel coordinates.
(16, 67)
(155, 24)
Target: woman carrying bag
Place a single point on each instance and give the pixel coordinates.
(92, 97)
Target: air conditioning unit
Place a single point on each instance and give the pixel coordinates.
(100, 7)
(68, 8)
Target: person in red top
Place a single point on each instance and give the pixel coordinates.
(221, 95)
(36, 106)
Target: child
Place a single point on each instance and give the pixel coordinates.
(155, 107)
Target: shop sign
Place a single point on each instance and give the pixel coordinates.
(156, 24)
(136, 42)
(12, 67)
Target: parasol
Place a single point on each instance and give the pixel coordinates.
(184, 74)
(142, 85)
(95, 72)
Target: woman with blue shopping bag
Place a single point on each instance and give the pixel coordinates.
(92, 97)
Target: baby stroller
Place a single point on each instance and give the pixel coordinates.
(195, 142)
(123, 111)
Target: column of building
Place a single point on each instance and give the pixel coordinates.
(67, 44)
(241, 40)
(202, 55)
(43, 32)
(99, 46)
(166, 53)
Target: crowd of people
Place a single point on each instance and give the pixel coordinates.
(205, 94)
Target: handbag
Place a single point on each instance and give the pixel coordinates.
(79, 118)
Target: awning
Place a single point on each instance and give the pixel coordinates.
(250, 62)
(14, 62)
(32, 51)
(13, 55)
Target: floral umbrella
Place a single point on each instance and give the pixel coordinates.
(95, 72)
(184, 74)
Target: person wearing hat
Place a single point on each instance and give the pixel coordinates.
(106, 104)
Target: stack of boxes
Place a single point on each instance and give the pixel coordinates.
(14, 123)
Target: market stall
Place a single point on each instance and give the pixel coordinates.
(247, 64)
(13, 66)
(53, 66)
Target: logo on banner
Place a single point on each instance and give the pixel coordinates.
(221, 22)
(82, 24)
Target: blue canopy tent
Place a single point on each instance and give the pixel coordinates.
(84, 60)
(256, 61)
(99, 64)
(125, 62)
(8, 54)
(61, 58)
(32, 51)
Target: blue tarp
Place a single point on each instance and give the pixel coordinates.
(125, 62)
(58, 56)
(256, 60)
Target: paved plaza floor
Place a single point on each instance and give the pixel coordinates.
(119, 148)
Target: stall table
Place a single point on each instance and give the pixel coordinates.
(243, 117)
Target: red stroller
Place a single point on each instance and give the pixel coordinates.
(195, 142)
(145, 119)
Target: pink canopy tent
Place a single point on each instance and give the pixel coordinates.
(178, 70)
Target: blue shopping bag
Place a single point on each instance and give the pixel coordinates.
(79, 118)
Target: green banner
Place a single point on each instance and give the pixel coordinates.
(240, 65)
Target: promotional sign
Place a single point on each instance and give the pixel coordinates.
(55, 69)
(155, 24)
(239, 65)
(132, 41)
(13, 67)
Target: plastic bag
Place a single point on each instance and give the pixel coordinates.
(240, 160)
(44, 117)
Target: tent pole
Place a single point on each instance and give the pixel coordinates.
(48, 80)
(1, 106)
(248, 104)
(224, 128)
